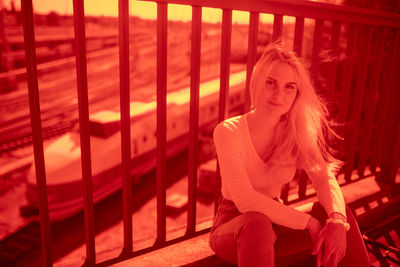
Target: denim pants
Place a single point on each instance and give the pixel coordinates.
(251, 239)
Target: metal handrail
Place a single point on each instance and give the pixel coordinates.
(308, 9)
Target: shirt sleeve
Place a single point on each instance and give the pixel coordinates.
(327, 188)
(238, 185)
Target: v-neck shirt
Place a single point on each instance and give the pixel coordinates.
(256, 167)
(253, 185)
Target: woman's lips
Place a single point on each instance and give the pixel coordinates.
(275, 104)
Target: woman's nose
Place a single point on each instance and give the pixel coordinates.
(278, 92)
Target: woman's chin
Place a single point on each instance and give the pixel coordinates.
(275, 111)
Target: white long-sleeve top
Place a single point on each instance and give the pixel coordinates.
(252, 184)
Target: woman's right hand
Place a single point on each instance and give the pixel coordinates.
(314, 227)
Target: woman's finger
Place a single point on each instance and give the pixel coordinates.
(328, 253)
(342, 255)
(319, 255)
(333, 261)
(317, 246)
(318, 242)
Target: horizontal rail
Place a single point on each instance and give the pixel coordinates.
(306, 9)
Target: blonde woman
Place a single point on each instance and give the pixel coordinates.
(260, 151)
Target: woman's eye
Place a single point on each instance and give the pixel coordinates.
(290, 87)
(269, 82)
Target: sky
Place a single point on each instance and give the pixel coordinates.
(143, 9)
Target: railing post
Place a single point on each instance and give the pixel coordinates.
(83, 105)
(357, 107)
(162, 20)
(351, 48)
(224, 83)
(225, 63)
(298, 36)
(34, 105)
(278, 26)
(124, 78)
(332, 71)
(370, 105)
(315, 60)
(394, 165)
(194, 119)
(388, 158)
(251, 55)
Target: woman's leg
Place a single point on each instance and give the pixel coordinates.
(356, 252)
(248, 240)
(293, 247)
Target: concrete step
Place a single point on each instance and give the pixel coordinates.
(196, 251)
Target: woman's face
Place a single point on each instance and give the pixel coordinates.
(276, 93)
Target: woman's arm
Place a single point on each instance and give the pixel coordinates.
(330, 246)
(328, 190)
(237, 183)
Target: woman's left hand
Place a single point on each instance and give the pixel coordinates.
(330, 246)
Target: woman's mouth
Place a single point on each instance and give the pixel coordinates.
(275, 104)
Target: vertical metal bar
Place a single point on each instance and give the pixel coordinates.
(384, 106)
(394, 166)
(5, 62)
(390, 158)
(217, 193)
(335, 55)
(285, 193)
(123, 23)
(316, 48)
(34, 105)
(357, 108)
(194, 119)
(162, 20)
(298, 36)
(370, 103)
(83, 105)
(348, 74)
(251, 55)
(303, 179)
(277, 29)
(225, 63)
(224, 82)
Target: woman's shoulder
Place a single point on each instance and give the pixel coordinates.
(229, 126)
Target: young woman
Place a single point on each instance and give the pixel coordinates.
(260, 151)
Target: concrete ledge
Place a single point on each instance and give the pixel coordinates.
(197, 252)
(179, 254)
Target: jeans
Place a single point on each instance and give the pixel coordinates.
(251, 239)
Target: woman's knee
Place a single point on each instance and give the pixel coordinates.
(257, 225)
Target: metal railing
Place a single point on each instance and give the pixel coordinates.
(365, 84)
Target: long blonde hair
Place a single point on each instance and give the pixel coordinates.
(303, 132)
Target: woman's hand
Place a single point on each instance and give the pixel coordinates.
(330, 246)
(314, 227)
